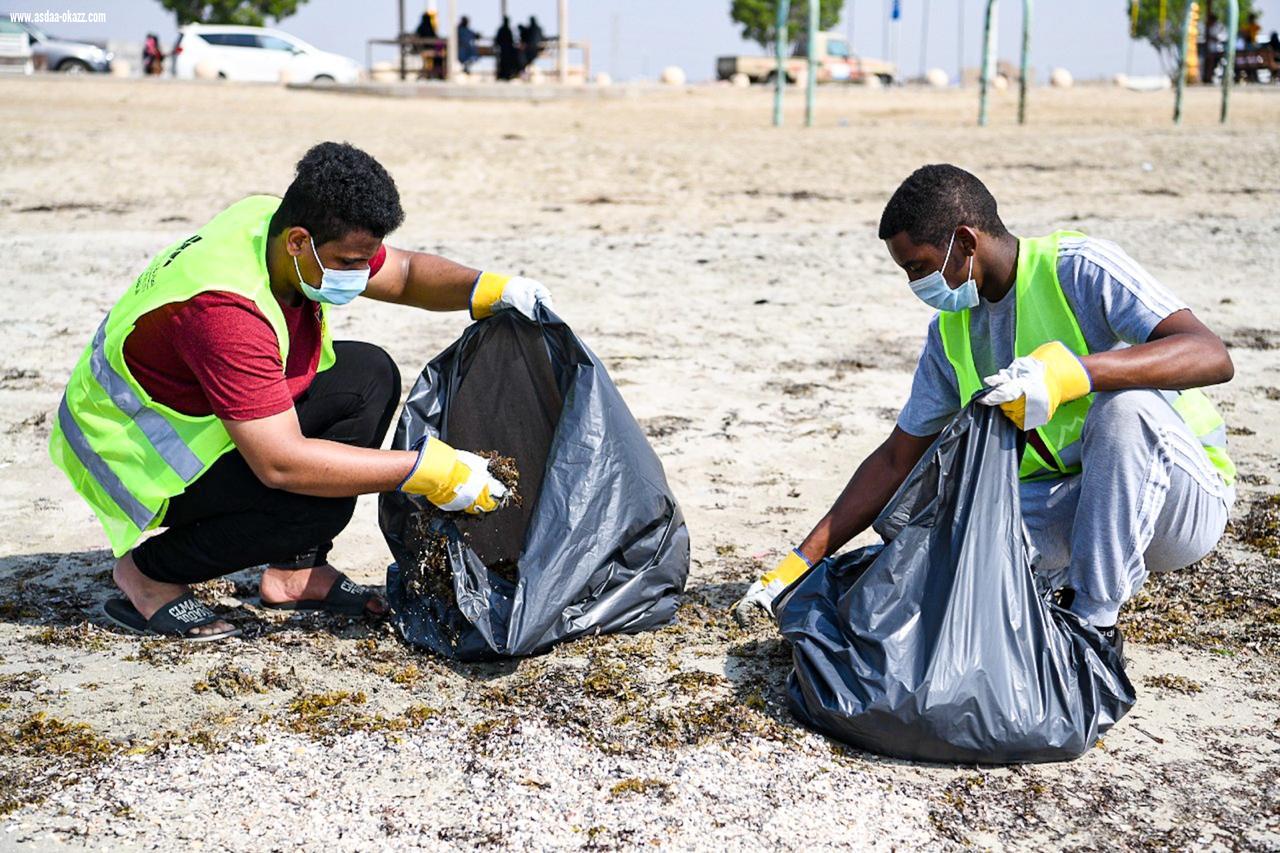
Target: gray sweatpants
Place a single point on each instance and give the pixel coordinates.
(1147, 500)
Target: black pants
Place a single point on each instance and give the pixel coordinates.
(228, 520)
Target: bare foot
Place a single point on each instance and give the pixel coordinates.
(279, 586)
(147, 595)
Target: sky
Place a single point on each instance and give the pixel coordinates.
(635, 39)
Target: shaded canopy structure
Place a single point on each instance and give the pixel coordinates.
(451, 37)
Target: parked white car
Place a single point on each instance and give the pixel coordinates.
(15, 49)
(256, 54)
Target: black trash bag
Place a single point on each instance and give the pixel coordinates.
(598, 543)
(937, 646)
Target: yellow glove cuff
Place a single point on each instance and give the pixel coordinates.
(791, 568)
(437, 474)
(1065, 375)
(486, 293)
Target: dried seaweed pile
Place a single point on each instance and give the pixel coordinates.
(1227, 602)
(1260, 528)
(430, 574)
(229, 681)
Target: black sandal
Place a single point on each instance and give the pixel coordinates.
(345, 598)
(178, 618)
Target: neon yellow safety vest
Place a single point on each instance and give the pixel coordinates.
(1042, 315)
(125, 453)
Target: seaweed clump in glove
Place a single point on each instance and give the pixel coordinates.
(431, 573)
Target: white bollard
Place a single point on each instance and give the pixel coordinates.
(1060, 78)
(603, 79)
(673, 75)
(937, 78)
(740, 80)
(206, 71)
(120, 68)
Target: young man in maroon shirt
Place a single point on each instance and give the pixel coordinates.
(305, 441)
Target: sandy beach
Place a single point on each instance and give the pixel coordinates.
(729, 276)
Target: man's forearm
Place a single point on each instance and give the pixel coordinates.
(1173, 363)
(423, 281)
(330, 469)
(865, 496)
(438, 284)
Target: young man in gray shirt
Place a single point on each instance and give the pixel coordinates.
(1084, 350)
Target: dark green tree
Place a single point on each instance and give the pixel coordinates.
(757, 18)
(1163, 33)
(250, 13)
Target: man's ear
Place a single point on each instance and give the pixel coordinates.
(967, 239)
(295, 240)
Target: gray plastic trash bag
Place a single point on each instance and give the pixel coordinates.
(598, 544)
(937, 646)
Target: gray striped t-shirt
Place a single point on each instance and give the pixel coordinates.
(1116, 302)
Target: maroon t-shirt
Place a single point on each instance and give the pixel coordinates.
(217, 354)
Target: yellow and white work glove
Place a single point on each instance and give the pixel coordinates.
(454, 480)
(763, 592)
(1030, 390)
(494, 292)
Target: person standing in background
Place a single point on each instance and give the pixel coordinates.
(508, 57)
(427, 30)
(1250, 32)
(152, 56)
(531, 38)
(466, 44)
(1215, 47)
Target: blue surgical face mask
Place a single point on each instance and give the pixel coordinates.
(934, 291)
(337, 287)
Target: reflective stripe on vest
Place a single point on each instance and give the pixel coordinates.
(100, 470)
(163, 437)
(1207, 425)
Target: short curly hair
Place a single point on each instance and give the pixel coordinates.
(337, 189)
(935, 200)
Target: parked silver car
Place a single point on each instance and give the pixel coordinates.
(69, 57)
